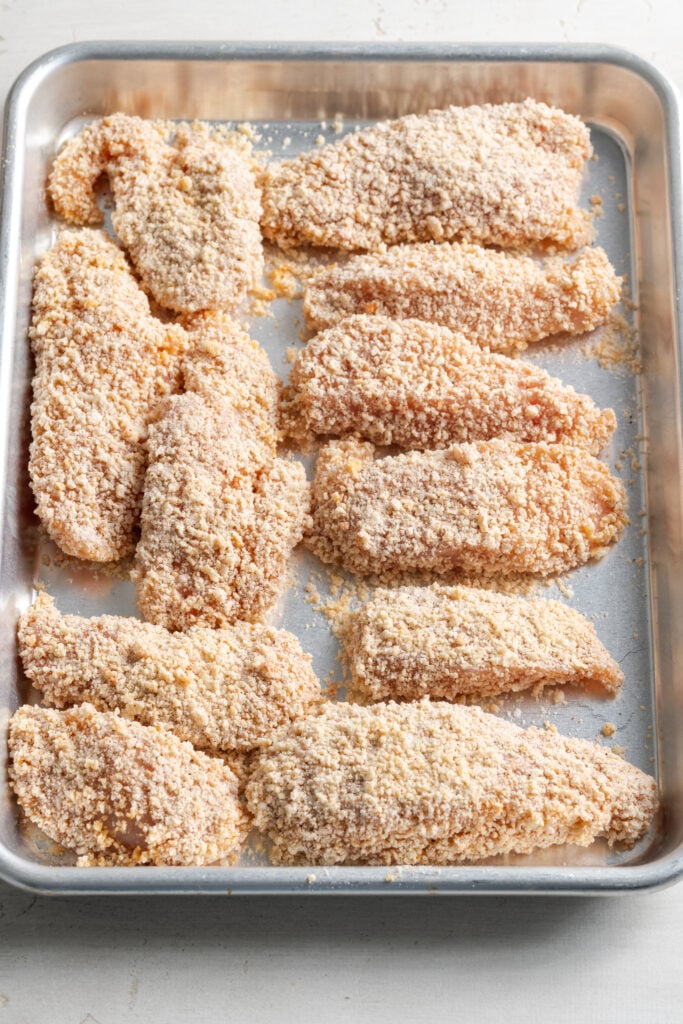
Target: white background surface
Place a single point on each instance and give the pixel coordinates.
(484, 960)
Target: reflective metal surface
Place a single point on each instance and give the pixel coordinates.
(634, 595)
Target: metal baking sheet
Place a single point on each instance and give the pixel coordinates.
(292, 96)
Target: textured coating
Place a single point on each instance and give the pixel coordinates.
(506, 174)
(487, 508)
(452, 642)
(187, 211)
(501, 300)
(434, 783)
(222, 690)
(418, 385)
(103, 363)
(117, 792)
(220, 518)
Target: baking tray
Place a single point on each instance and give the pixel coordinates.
(291, 95)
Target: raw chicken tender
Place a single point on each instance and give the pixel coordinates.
(437, 783)
(117, 792)
(500, 300)
(417, 385)
(488, 508)
(221, 689)
(220, 519)
(450, 642)
(103, 363)
(187, 210)
(506, 174)
(225, 363)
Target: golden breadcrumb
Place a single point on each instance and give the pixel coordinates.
(220, 518)
(486, 508)
(187, 210)
(224, 362)
(503, 175)
(447, 642)
(438, 783)
(501, 300)
(103, 363)
(418, 385)
(220, 689)
(117, 792)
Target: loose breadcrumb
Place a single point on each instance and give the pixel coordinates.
(283, 275)
(220, 689)
(187, 210)
(505, 175)
(103, 363)
(608, 729)
(426, 783)
(502, 300)
(418, 385)
(448, 642)
(117, 792)
(220, 518)
(486, 508)
(615, 346)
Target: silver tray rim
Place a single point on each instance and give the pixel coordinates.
(463, 880)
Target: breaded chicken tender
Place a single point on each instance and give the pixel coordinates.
(449, 642)
(220, 518)
(224, 362)
(487, 508)
(221, 689)
(427, 783)
(187, 210)
(103, 363)
(501, 300)
(117, 792)
(417, 385)
(505, 175)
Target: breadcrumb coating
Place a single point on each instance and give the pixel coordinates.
(220, 518)
(501, 300)
(221, 689)
(434, 783)
(187, 210)
(103, 363)
(224, 362)
(506, 174)
(120, 793)
(417, 385)
(448, 642)
(486, 508)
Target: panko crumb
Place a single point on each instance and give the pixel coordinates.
(608, 729)
(223, 690)
(615, 346)
(187, 209)
(283, 277)
(448, 642)
(505, 174)
(120, 793)
(434, 783)
(488, 508)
